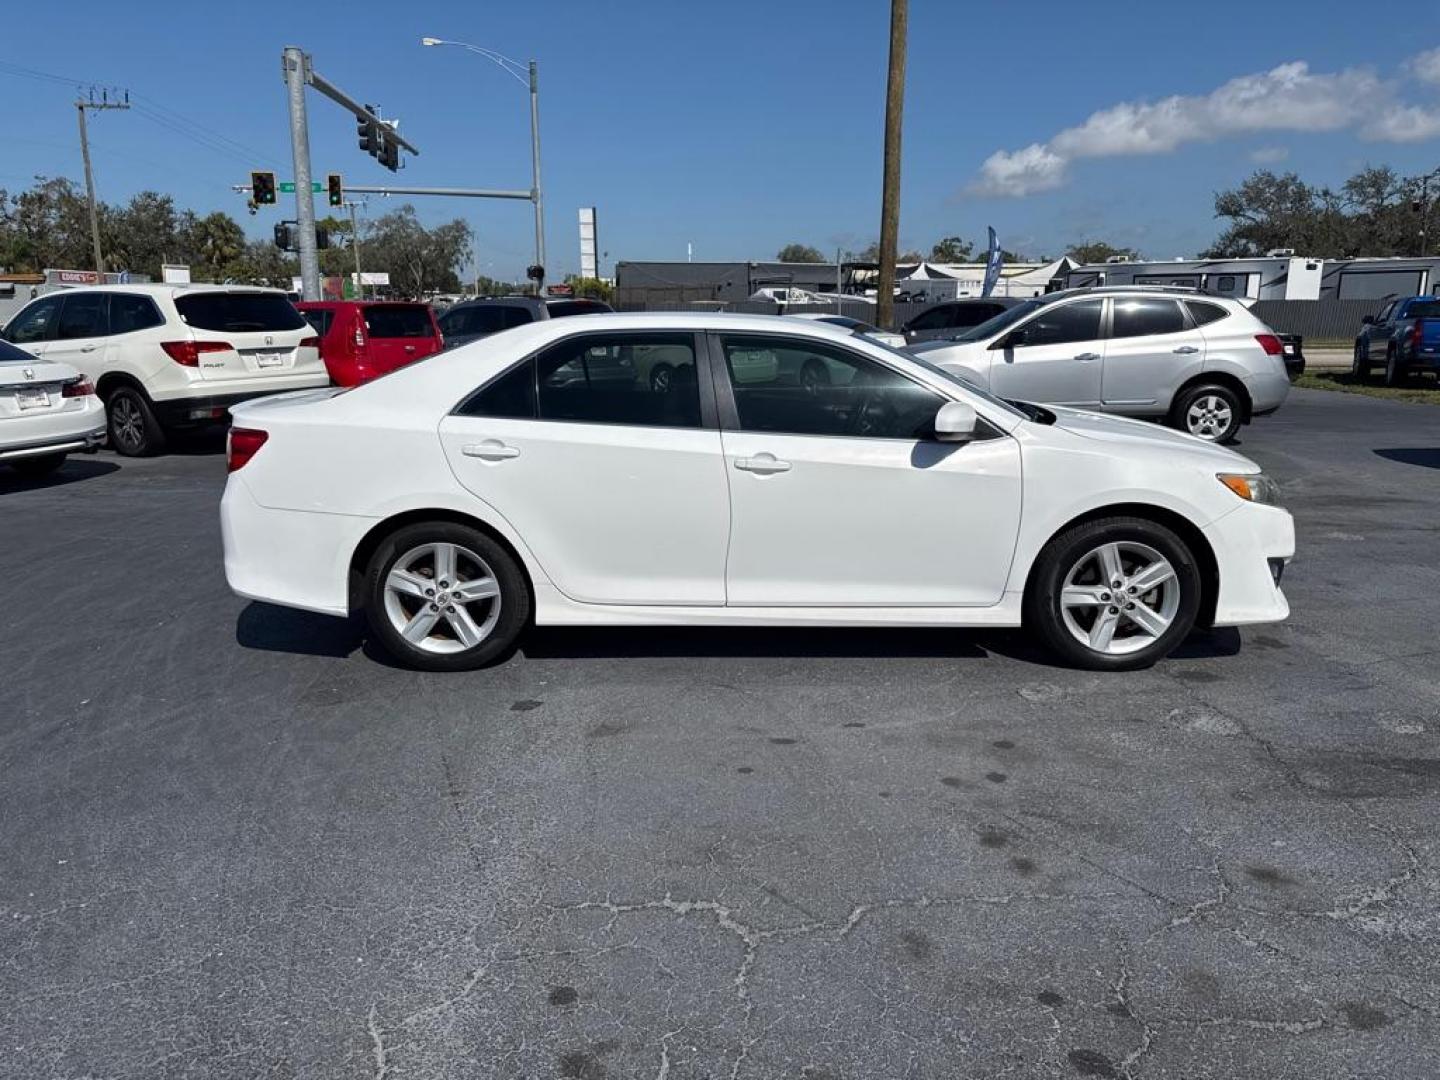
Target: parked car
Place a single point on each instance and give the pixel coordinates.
(1202, 364)
(954, 317)
(1293, 349)
(362, 339)
(46, 412)
(166, 357)
(494, 486)
(855, 326)
(475, 319)
(1405, 337)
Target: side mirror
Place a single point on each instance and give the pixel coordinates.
(1367, 320)
(955, 422)
(1015, 337)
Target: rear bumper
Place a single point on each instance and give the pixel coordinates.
(1251, 543)
(67, 444)
(211, 408)
(63, 433)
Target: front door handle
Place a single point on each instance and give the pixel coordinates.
(1086, 357)
(764, 464)
(490, 450)
(88, 348)
(1186, 350)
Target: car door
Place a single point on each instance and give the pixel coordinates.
(34, 327)
(1153, 347)
(618, 488)
(840, 495)
(80, 334)
(1377, 337)
(1054, 356)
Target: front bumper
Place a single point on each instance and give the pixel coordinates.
(1251, 543)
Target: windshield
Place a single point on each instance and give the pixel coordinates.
(1000, 323)
(958, 380)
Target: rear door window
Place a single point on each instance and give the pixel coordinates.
(238, 312)
(398, 321)
(934, 319)
(83, 316)
(129, 312)
(1144, 317)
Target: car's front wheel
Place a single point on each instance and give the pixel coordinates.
(134, 430)
(445, 597)
(1360, 365)
(1211, 411)
(1114, 594)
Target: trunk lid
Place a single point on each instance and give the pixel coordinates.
(262, 330)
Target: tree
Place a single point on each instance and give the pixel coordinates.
(593, 288)
(47, 226)
(212, 245)
(419, 260)
(799, 253)
(952, 250)
(1098, 251)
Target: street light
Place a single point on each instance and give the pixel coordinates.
(525, 75)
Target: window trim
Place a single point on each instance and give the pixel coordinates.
(730, 412)
(703, 384)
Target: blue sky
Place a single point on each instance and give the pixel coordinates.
(740, 126)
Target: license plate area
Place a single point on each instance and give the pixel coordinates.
(269, 359)
(32, 399)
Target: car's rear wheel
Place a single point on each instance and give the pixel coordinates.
(1360, 365)
(134, 429)
(36, 467)
(1114, 594)
(445, 597)
(1211, 411)
(1394, 370)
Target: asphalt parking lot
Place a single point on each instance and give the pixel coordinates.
(237, 844)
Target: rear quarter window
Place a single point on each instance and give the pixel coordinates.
(238, 312)
(1204, 314)
(398, 321)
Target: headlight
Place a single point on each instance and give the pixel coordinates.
(1252, 487)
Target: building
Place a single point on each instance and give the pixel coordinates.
(1272, 277)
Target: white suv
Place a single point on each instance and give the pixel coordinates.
(1200, 363)
(172, 356)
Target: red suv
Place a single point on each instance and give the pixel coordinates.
(360, 340)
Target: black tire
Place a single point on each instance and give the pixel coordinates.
(34, 468)
(1394, 371)
(1360, 366)
(134, 429)
(660, 377)
(1045, 617)
(1191, 396)
(514, 598)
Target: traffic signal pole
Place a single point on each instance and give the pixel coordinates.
(295, 79)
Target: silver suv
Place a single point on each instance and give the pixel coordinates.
(1200, 363)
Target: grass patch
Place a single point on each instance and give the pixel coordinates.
(1422, 391)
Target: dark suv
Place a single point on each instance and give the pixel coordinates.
(952, 317)
(473, 319)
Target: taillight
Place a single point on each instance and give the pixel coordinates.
(81, 387)
(1270, 343)
(243, 444)
(187, 353)
(310, 343)
(1417, 334)
(359, 337)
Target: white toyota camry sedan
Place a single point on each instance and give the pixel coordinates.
(788, 473)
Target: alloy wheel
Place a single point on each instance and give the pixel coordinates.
(442, 598)
(1209, 416)
(1120, 598)
(126, 422)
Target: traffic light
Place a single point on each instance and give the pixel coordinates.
(535, 273)
(336, 189)
(285, 236)
(262, 188)
(322, 239)
(390, 154)
(365, 130)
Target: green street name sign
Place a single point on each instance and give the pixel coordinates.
(288, 186)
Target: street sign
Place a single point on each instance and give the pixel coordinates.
(288, 186)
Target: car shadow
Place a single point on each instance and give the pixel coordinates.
(197, 442)
(73, 471)
(272, 628)
(1426, 457)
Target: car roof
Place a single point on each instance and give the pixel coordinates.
(166, 289)
(1003, 301)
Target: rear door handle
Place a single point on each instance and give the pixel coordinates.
(1086, 357)
(88, 348)
(490, 450)
(1186, 350)
(764, 464)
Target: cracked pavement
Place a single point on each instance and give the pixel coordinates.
(237, 845)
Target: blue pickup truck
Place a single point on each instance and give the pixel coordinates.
(1404, 337)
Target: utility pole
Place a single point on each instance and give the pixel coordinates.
(355, 245)
(890, 195)
(535, 170)
(81, 105)
(296, 76)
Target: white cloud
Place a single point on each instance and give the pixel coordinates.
(1289, 97)
(1269, 155)
(1426, 66)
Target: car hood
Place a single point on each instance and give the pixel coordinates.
(1144, 435)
